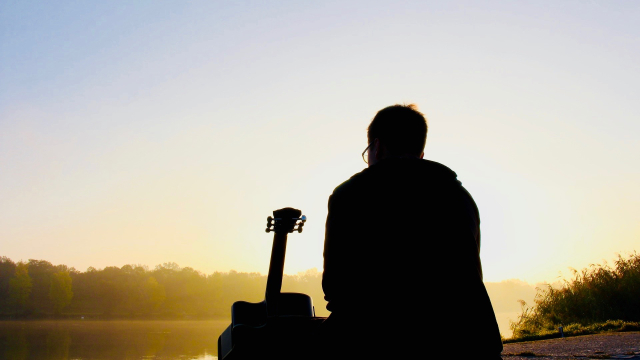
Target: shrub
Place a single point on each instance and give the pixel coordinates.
(598, 299)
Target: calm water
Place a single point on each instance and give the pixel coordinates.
(84, 339)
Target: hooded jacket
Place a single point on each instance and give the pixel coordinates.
(402, 250)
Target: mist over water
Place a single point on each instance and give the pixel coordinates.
(504, 320)
(505, 298)
(107, 340)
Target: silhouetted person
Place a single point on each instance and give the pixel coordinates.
(402, 273)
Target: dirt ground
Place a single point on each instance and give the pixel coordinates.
(599, 346)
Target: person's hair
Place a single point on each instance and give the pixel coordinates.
(402, 128)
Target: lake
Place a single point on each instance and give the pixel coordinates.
(110, 339)
(122, 339)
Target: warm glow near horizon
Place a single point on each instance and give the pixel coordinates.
(148, 133)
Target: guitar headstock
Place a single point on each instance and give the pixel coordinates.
(286, 220)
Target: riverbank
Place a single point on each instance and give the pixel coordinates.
(612, 345)
(578, 330)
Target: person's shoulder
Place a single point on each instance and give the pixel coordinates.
(438, 168)
(446, 173)
(353, 183)
(418, 169)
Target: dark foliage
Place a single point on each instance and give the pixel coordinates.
(167, 291)
(597, 295)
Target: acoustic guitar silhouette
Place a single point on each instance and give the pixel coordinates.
(283, 323)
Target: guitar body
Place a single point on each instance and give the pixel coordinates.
(283, 324)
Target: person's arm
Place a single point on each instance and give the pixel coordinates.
(329, 272)
(334, 251)
(474, 215)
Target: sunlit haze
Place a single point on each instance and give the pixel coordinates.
(150, 132)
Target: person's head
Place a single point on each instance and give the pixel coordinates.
(397, 131)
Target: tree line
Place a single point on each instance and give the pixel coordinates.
(37, 288)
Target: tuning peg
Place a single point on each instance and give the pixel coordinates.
(284, 223)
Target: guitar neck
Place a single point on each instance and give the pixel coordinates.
(284, 221)
(276, 270)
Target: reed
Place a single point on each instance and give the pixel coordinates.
(599, 298)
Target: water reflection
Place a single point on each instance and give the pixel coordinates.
(15, 346)
(84, 340)
(58, 342)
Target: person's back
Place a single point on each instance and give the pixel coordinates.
(402, 270)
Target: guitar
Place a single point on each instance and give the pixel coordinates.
(274, 326)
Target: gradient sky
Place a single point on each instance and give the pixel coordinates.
(148, 132)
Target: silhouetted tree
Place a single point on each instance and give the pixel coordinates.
(40, 272)
(112, 289)
(7, 271)
(20, 286)
(154, 294)
(60, 291)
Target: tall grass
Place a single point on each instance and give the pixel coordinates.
(599, 297)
